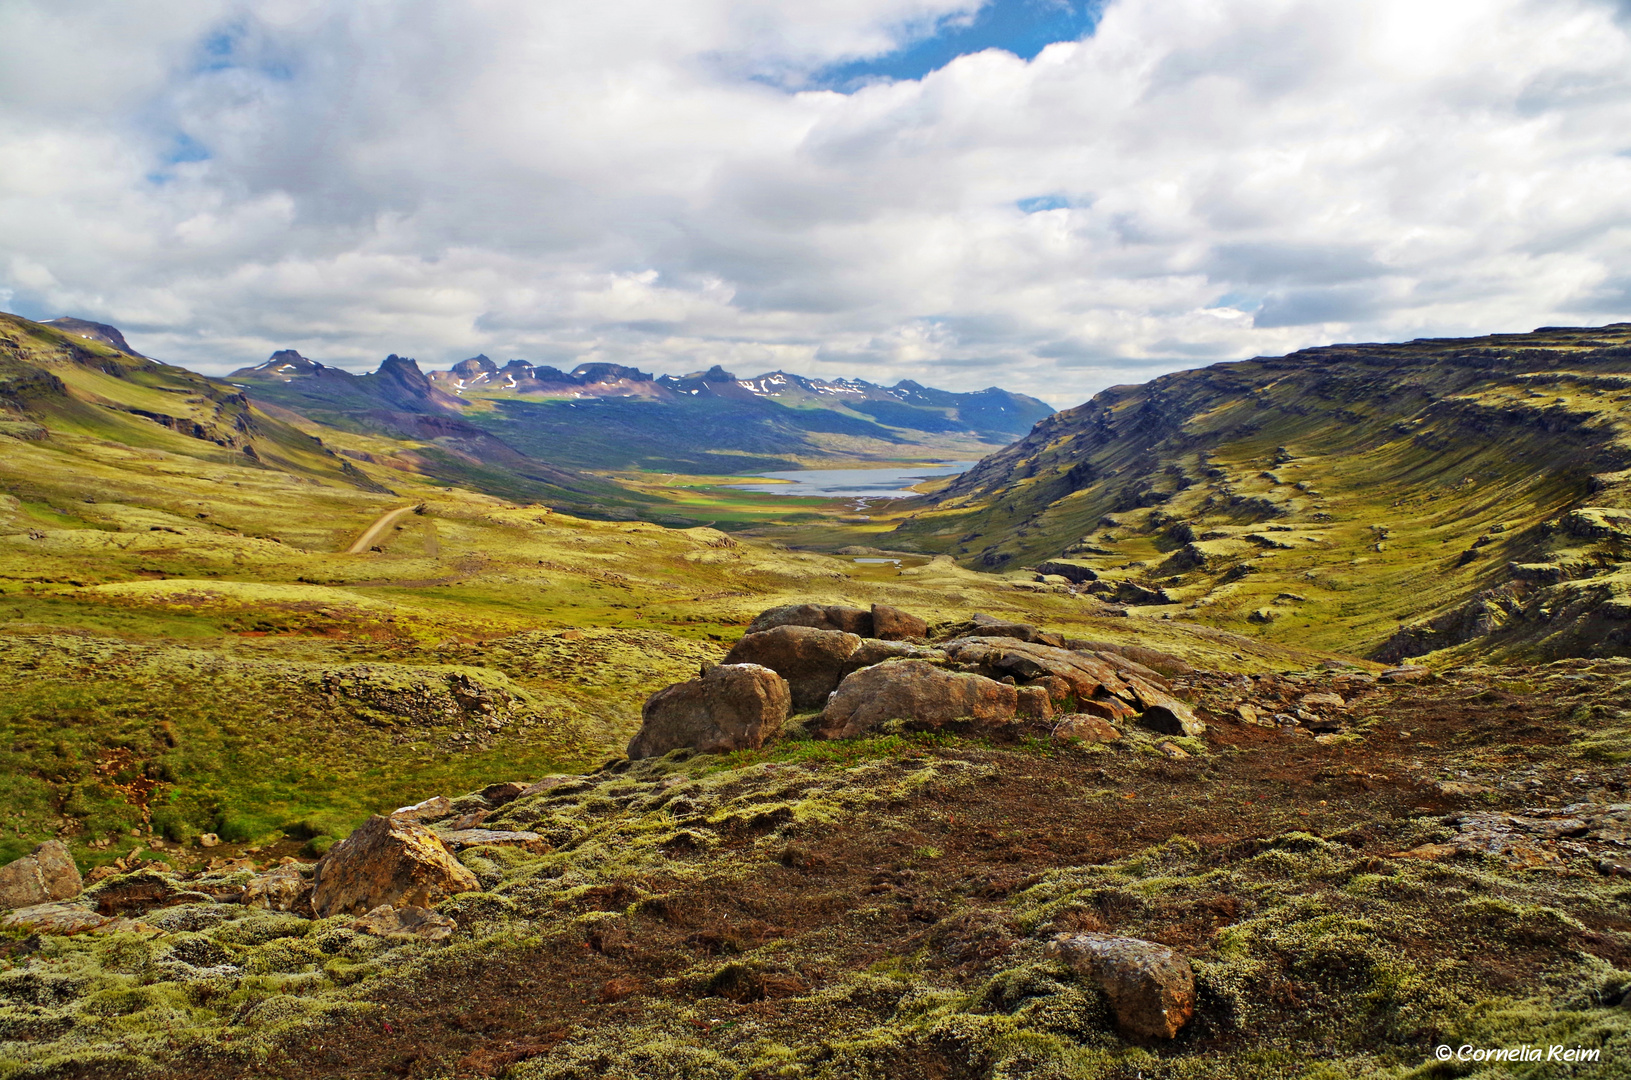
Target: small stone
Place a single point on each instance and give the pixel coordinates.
(432, 809)
(548, 783)
(1108, 708)
(208, 840)
(1151, 987)
(46, 874)
(1614, 866)
(499, 794)
(1172, 751)
(1247, 712)
(1405, 674)
(1330, 700)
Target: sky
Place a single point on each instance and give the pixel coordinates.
(1052, 196)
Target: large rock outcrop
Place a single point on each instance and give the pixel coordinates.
(46, 874)
(1151, 987)
(916, 691)
(810, 659)
(1103, 685)
(848, 620)
(389, 860)
(731, 707)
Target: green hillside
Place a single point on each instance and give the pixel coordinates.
(1391, 500)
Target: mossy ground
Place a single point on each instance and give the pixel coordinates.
(882, 910)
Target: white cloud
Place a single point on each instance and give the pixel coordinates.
(632, 181)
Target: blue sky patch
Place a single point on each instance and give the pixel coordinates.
(183, 147)
(1022, 27)
(1037, 203)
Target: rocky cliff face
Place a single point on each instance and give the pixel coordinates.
(1392, 498)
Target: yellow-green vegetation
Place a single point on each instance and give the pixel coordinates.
(190, 649)
(1387, 499)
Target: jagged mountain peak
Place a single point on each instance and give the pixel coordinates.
(284, 364)
(475, 366)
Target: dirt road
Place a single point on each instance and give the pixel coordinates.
(386, 520)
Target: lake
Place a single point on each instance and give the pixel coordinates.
(892, 483)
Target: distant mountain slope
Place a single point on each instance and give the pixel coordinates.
(83, 394)
(1393, 498)
(56, 384)
(609, 416)
(398, 385)
(399, 401)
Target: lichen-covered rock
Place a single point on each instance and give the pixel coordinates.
(1080, 675)
(282, 889)
(986, 626)
(459, 839)
(731, 707)
(1072, 571)
(811, 660)
(1151, 987)
(847, 620)
(499, 794)
(46, 874)
(63, 917)
(389, 860)
(406, 923)
(893, 624)
(434, 808)
(1033, 703)
(876, 651)
(917, 691)
(1160, 711)
(1084, 727)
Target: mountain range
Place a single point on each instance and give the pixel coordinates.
(610, 416)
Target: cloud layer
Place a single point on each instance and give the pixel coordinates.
(646, 182)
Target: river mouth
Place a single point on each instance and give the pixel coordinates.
(865, 484)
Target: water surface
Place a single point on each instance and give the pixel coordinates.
(890, 483)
